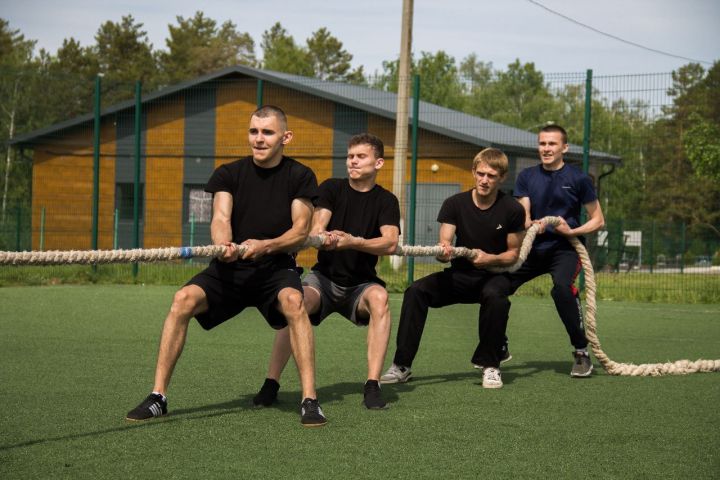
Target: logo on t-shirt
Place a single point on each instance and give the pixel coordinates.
(499, 227)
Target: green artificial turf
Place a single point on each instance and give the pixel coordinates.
(75, 359)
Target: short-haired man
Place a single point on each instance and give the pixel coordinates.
(491, 223)
(554, 188)
(359, 220)
(264, 203)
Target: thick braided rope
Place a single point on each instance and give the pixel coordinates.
(163, 254)
(137, 255)
(88, 257)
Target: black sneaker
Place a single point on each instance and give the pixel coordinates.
(153, 406)
(311, 415)
(268, 393)
(372, 396)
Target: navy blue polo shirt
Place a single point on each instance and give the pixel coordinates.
(559, 193)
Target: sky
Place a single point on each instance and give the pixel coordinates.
(497, 31)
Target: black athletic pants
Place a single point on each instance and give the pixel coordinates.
(563, 265)
(450, 287)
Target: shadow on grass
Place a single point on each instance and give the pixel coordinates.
(289, 401)
(510, 373)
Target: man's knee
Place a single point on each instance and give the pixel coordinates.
(376, 297)
(186, 300)
(291, 302)
(564, 292)
(416, 290)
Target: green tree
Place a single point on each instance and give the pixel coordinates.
(702, 146)
(69, 76)
(125, 56)
(517, 96)
(16, 74)
(282, 54)
(329, 60)
(439, 80)
(675, 190)
(197, 46)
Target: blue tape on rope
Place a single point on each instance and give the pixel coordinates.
(186, 252)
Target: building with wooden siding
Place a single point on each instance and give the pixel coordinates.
(187, 130)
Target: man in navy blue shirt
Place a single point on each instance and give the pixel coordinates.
(554, 188)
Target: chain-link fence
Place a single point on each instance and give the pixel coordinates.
(137, 180)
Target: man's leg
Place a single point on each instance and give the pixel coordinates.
(302, 341)
(435, 290)
(187, 302)
(280, 354)
(564, 269)
(492, 321)
(529, 270)
(374, 303)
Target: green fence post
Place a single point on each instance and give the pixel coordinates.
(682, 247)
(586, 149)
(652, 247)
(115, 229)
(96, 165)
(413, 176)
(136, 192)
(18, 226)
(42, 229)
(260, 93)
(192, 233)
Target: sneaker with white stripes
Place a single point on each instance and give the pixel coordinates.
(396, 374)
(491, 378)
(155, 405)
(311, 415)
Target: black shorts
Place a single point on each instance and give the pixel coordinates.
(336, 298)
(231, 287)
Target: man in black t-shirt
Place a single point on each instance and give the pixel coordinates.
(264, 203)
(491, 223)
(359, 220)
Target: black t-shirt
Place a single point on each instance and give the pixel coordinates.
(360, 214)
(262, 198)
(484, 229)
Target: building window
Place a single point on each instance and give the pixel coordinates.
(199, 204)
(124, 198)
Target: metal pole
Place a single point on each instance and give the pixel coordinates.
(136, 192)
(413, 176)
(401, 119)
(652, 247)
(18, 226)
(682, 247)
(260, 93)
(115, 230)
(96, 165)
(587, 122)
(192, 233)
(42, 229)
(192, 229)
(586, 149)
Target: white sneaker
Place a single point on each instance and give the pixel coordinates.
(396, 374)
(492, 378)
